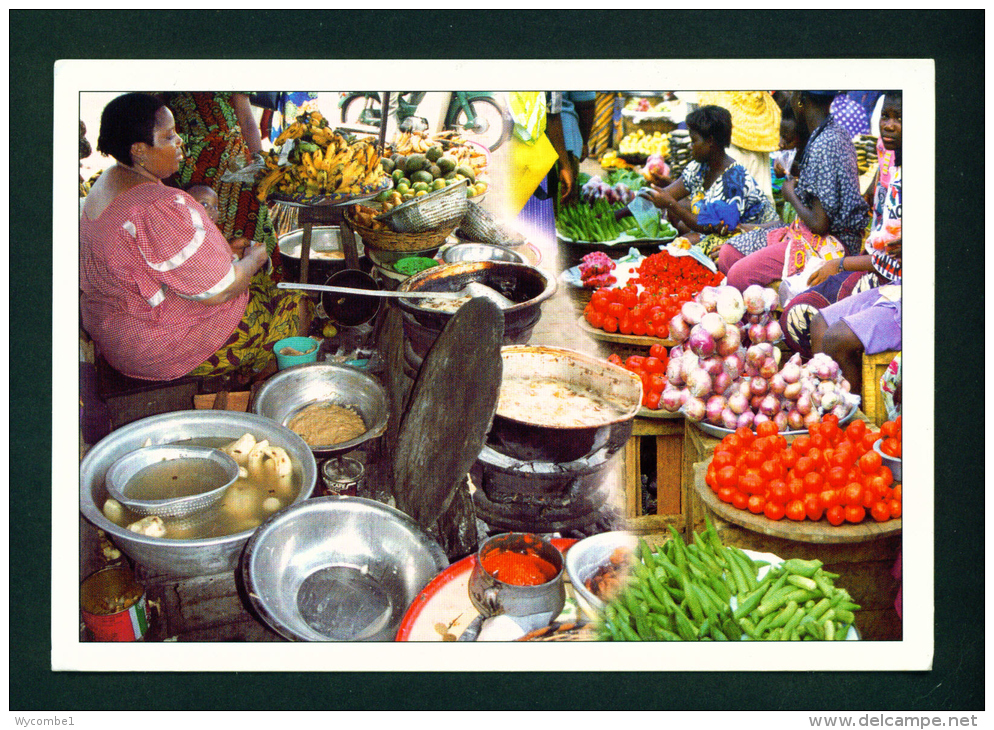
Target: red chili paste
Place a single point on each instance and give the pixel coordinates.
(519, 569)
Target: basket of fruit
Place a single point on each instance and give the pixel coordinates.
(431, 211)
(377, 234)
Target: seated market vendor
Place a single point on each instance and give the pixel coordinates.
(160, 292)
(722, 195)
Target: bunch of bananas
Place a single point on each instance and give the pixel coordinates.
(322, 162)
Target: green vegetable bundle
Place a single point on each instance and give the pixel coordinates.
(684, 592)
(596, 223)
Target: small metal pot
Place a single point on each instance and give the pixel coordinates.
(351, 310)
(326, 257)
(492, 597)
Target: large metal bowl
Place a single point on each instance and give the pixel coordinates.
(338, 569)
(183, 557)
(480, 252)
(289, 391)
(588, 556)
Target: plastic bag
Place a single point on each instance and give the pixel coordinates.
(251, 172)
(528, 112)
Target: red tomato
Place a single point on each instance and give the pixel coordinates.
(880, 511)
(830, 418)
(801, 445)
(828, 429)
(897, 490)
(616, 309)
(836, 515)
(635, 362)
(855, 513)
(870, 438)
(877, 485)
(750, 483)
(855, 431)
(651, 400)
(795, 510)
(629, 297)
(836, 477)
(888, 430)
(788, 457)
(870, 497)
(740, 500)
(844, 455)
(610, 324)
(829, 498)
(722, 458)
(727, 476)
(655, 365)
(596, 319)
(773, 511)
(771, 469)
(895, 508)
(852, 494)
(817, 456)
(625, 323)
(887, 475)
(897, 422)
(892, 447)
(813, 481)
(745, 436)
(725, 494)
(804, 466)
(615, 359)
(734, 442)
(767, 428)
(754, 458)
(756, 503)
(795, 488)
(657, 382)
(709, 476)
(659, 352)
(812, 507)
(778, 493)
(870, 462)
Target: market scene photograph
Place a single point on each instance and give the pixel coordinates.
(492, 367)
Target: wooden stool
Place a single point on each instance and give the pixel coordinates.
(668, 434)
(129, 399)
(873, 369)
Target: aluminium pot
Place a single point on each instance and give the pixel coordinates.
(548, 442)
(186, 558)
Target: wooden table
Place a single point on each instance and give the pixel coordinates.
(324, 215)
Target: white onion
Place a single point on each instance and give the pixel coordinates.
(812, 418)
(688, 364)
(781, 420)
(708, 297)
(714, 324)
(753, 299)
(791, 391)
(778, 385)
(699, 383)
(845, 385)
(841, 410)
(679, 329)
(701, 341)
(738, 403)
(830, 400)
(729, 419)
(694, 409)
(674, 371)
(768, 368)
(721, 382)
(746, 419)
(693, 312)
(713, 408)
(770, 405)
(769, 298)
(795, 420)
(730, 305)
(804, 405)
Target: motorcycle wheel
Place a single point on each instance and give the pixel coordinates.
(493, 123)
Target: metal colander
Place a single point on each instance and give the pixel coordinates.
(121, 475)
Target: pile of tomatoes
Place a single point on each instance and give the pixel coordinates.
(667, 282)
(651, 369)
(890, 432)
(830, 472)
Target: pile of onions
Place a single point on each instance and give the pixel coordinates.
(720, 320)
(747, 387)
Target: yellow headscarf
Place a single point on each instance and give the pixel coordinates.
(755, 117)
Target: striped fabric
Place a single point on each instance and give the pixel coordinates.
(600, 135)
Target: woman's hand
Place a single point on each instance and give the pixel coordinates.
(238, 246)
(660, 198)
(778, 169)
(826, 270)
(788, 189)
(893, 248)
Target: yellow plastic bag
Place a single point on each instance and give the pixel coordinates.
(530, 164)
(528, 112)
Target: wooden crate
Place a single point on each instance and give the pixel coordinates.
(873, 369)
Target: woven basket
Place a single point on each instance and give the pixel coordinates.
(387, 240)
(478, 225)
(429, 212)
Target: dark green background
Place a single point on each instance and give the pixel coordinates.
(954, 39)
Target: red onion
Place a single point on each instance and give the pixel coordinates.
(773, 332)
(841, 410)
(730, 305)
(714, 324)
(721, 382)
(751, 319)
(694, 409)
(734, 365)
(713, 365)
(674, 371)
(746, 419)
(701, 341)
(743, 386)
(738, 403)
(791, 391)
(708, 297)
(791, 371)
(777, 384)
(796, 359)
(815, 400)
(781, 420)
(770, 405)
(729, 419)
(688, 364)
(812, 418)
(676, 352)
(699, 383)
(845, 385)
(693, 312)
(671, 399)
(755, 356)
(804, 405)
(821, 367)
(756, 333)
(758, 385)
(731, 342)
(795, 420)
(755, 402)
(768, 368)
(679, 329)
(713, 408)
(753, 299)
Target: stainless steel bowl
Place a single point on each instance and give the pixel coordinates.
(586, 557)
(183, 557)
(289, 391)
(338, 569)
(480, 252)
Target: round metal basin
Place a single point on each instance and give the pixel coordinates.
(338, 569)
(183, 557)
(289, 391)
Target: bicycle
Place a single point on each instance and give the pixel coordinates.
(478, 116)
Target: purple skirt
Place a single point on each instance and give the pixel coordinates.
(874, 320)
